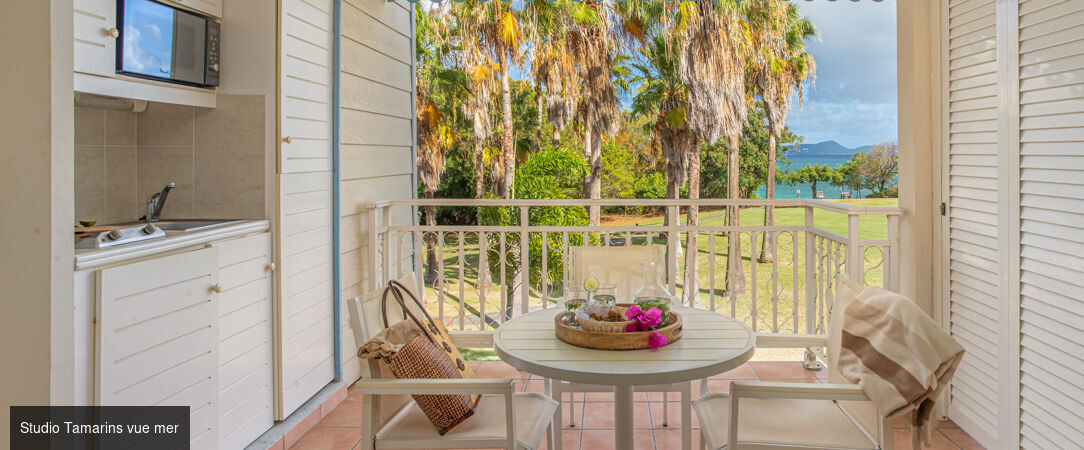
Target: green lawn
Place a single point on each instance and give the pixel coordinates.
(775, 308)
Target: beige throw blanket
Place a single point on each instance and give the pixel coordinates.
(898, 355)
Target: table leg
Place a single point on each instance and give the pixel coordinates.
(623, 414)
(686, 416)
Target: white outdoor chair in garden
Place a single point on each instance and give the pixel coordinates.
(620, 266)
(391, 419)
(758, 414)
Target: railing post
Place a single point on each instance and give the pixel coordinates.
(524, 262)
(672, 242)
(855, 258)
(374, 252)
(810, 273)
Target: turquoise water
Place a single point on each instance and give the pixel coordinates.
(805, 190)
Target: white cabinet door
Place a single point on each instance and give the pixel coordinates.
(245, 369)
(95, 30)
(306, 349)
(210, 7)
(157, 337)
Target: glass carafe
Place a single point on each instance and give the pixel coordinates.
(652, 294)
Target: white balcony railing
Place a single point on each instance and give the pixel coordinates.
(476, 284)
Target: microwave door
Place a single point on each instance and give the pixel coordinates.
(189, 35)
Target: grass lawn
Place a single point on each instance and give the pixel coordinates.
(771, 307)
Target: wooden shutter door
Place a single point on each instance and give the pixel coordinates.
(972, 211)
(1051, 45)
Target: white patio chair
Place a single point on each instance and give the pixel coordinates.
(620, 266)
(795, 415)
(391, 419)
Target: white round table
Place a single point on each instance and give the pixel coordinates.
(710, 344)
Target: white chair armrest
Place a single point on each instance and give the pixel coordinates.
(809, 391)
(436, 386)
(769, 340)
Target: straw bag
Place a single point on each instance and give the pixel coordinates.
(416, 349)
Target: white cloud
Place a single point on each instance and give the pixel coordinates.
(853, 99)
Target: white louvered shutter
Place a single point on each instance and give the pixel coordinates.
(1051, 223)
(972, 211)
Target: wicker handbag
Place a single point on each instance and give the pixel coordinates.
(430, 355)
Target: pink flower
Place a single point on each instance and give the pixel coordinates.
(650, 319)
(643, 320)
(656, 340)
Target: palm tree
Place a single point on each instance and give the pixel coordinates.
(574, 58)
(712, 68)
(497, 30)
(479, 69)
(439, 93)
(780, 66)
(662, 95)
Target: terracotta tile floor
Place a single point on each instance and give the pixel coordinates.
(594, 424)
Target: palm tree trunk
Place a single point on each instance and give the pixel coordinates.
(767, 252)
(692, 249)
(479, 169)
(541, 110)
(431, 269)
(506, 127)
(592, 184)
(735, 276)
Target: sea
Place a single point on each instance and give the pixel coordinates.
(805, 190)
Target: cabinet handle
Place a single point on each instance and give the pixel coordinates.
(113, 33)
(288, 140)
(216, 288)
(271, 267)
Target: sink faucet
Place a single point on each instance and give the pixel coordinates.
(157, 201)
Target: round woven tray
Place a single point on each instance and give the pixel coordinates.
(614, 341)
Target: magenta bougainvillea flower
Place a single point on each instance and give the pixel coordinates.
(646, 321)
(656, 340)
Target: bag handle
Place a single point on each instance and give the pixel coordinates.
(417, 302)
(395, 292)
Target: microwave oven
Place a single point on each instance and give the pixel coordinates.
(164, 43)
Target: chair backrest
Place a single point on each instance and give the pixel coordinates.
(367, 322)
(621, 266)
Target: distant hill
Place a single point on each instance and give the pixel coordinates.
(829, 148)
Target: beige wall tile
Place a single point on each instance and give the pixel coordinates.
(229, 182)
(158, 166)
(122, 202)
(89, 126)
(120, 128)
(90, 183)
(163, 124)
(237, 120)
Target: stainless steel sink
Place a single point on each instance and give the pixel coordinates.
(187, 225)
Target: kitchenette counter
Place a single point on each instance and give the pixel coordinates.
(89, 258)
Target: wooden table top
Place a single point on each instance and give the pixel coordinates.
(710, 344)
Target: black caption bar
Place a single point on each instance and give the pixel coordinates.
(100, 427)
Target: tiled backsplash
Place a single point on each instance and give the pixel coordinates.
(214, 155)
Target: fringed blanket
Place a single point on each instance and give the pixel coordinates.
(898, 355)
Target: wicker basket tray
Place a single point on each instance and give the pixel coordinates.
(613, 341)
(602, 326)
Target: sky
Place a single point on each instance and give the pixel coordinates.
(853, 99)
